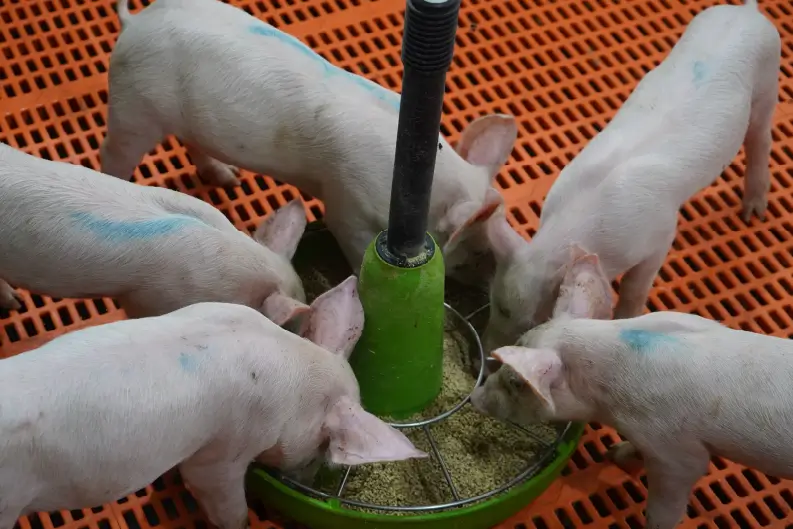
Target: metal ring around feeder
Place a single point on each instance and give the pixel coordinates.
(549, 450)
(475, 336)
(526, 474)
(489, 359)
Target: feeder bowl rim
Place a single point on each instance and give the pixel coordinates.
(550, 452)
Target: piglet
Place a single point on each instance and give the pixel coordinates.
(239, 93)
(679, 387)
(67, 231)
(584, 293)
(99, 413)
(619, 198)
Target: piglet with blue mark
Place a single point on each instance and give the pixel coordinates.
(99, 413)
(679, 387)
(70, 232)
(240, 93)
(619, 198)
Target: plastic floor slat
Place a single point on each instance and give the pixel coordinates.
(562, 68)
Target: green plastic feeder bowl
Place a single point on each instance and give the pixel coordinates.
(332, 513)
(319, 510)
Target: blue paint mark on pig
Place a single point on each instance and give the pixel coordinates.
(129, 230)
(269, 31)
(187, 363)
(382, 93)
(643, 341)
(700, 71)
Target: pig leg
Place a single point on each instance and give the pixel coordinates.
(219, 487)
(672, 472)
(130, 136)
(17, 493)
(212, 171)
(10, 299)
(626, 457)
(8, 520)
(637, 282)
(9, 514)
(758, 153)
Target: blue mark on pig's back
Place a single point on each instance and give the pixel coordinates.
(700, 71)
(329, 69)
(187, 363)
(269, 31)
(643, 341)
(130, 230)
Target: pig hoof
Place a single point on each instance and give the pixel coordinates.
(10, 299)
(626, 457)
(755, 206)
(220, 174)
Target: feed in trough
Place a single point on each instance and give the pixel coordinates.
(480, 453)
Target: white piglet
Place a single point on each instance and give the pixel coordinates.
(679, 387)
(67, 231)
(240, 93)
(584, 293)
(99, 413)
(619, 198)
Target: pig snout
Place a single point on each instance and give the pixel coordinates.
(479, 401)
(488, 399)
(308, 473)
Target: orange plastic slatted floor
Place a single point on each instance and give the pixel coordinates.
(562, 68)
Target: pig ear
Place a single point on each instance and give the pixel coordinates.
(487, 141)
(357, 437)
(493, 200)
(585, 291)
(281, 230)
(541, 369)
(335, 320)
(576, 252)
(503, 240)
(280, 308)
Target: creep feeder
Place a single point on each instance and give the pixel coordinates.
(399, 359)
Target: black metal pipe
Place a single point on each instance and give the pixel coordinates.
(427, 49)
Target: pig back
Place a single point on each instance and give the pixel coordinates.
(69, 231)
(692, 377)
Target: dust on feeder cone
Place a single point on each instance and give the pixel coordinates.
(399, 358)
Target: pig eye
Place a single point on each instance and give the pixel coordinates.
(502, 311)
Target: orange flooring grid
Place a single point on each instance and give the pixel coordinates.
(562, 68)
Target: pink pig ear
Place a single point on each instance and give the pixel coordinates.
(280, 308)
(357, 437)
(541, 369)
(503, 240)
(585, 291)
(281, 230)
(335, 321)
(487, 141)
(576, 252)
(493, 200)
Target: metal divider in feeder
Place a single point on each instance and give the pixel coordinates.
(413, 359)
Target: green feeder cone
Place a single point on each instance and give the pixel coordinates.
(398, 359)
